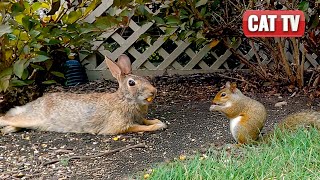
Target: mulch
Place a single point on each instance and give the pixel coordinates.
(182, 102)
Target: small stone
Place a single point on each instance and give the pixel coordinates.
(280, 104)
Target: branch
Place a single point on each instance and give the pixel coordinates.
(244, 60)
(141, 145)
(237, 79)
(297, 61)
(258, 59)
(285, 61)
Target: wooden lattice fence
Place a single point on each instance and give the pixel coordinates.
(172, 56)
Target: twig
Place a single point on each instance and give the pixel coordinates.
(141, 145)
(311, 78)
(303, 59)
(237, 79)
(258, 59)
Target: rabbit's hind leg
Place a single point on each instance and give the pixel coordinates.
(15, 123)
(146, 128)
(151, 122)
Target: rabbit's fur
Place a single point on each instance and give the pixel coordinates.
(97, 113)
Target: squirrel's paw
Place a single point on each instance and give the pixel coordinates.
(160, 125)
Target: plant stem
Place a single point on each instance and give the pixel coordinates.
(299, 74)
(284, 60)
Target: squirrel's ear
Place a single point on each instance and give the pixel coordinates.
(233, 87)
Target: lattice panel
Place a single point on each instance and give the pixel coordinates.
(169, 55)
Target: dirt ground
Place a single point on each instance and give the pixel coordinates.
(183, 103)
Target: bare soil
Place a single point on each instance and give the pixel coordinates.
(182, 102)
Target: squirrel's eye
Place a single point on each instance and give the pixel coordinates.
(131, 82)
(223, 94)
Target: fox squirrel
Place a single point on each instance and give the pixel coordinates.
(247, 116)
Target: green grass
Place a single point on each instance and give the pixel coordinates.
(293, 156)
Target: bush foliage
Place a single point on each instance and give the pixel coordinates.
(36, 38)
(220, 21)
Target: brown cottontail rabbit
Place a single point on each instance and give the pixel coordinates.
(97, 113)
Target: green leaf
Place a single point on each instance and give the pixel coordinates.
(121, 3)
(17, 82)
(74, 16)
(203, 11)
(112, 11)
(58, 74)
(26, 49)
(4, 5)
(4, 83)
(53, 42)
(6, 72)
(35, 6)
(172, 20)
(191, 21)
(105, 22)
(141, 10)
(189, 33)
(34, 33)
(36, 45)
(198, 24)
(17, 7)
(4, 29)
(25, 74)
(39, 58)
(170, 30)
(158, 20)
(27, 24)
(201, 2)
(199, 35)
(19, 66)
(90, 8)
(48, 64)
(303, 6)
(49, 82)
(67, 50)
(11, 37)
(37, 67)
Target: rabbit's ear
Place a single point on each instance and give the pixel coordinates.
(228, 85)
(124, 63)
(114, 68)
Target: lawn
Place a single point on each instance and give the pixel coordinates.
(292, 156)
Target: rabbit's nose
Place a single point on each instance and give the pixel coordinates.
(153, 91)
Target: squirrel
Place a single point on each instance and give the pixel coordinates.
(247, 116)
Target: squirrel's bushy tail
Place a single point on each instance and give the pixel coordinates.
(301, 119)
(295, 121)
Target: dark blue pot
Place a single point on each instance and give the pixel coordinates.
(75, 73)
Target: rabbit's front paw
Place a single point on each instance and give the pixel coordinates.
(9, 129)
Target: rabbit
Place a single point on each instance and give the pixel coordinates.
(120, 112)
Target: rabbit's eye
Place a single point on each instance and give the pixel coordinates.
(131, 82)
(223, 94)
